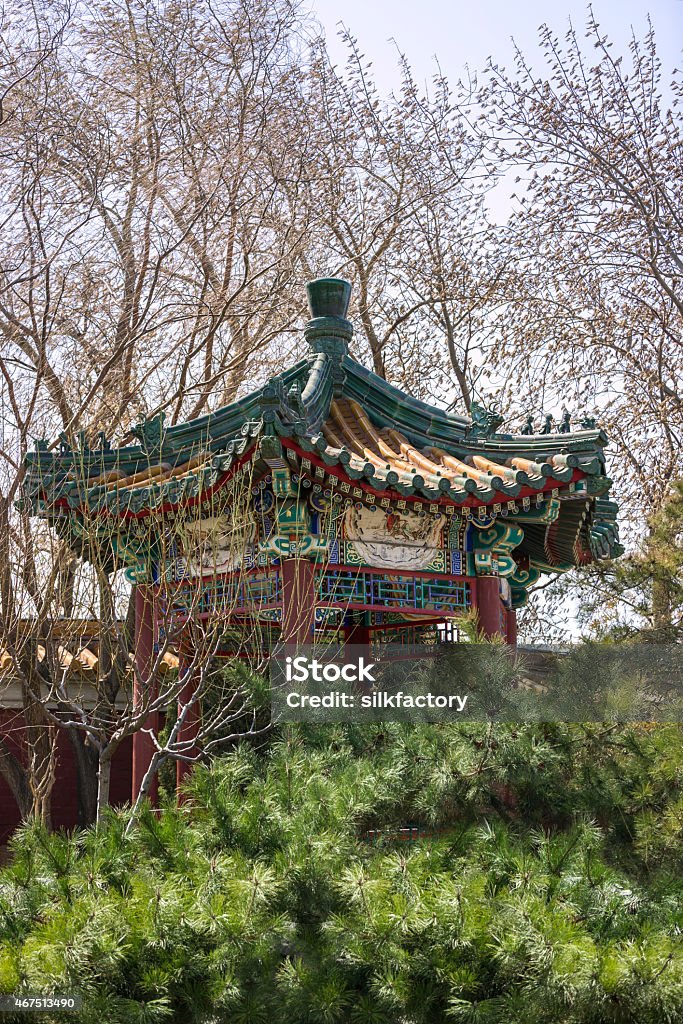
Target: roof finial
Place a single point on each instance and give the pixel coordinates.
(329, 296)
(329, 331)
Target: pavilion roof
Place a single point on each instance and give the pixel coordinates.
(345, 416)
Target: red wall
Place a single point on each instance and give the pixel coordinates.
(65, 791)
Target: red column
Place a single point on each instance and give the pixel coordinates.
(489, 606)
(298, 600)
(143, 747)
(357, 634)
(190, 727)
(511, 626)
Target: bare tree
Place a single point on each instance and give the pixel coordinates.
(596, 241)
(154, 217)
(29, 41)
(594, 317)
(401, 195)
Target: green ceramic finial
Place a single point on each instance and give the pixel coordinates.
(329, 296)
(329, 331)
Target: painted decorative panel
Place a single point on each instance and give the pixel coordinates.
(394, 539)
(216, 544)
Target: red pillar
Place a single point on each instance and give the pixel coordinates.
(357, 634)
(190, 727)
(489, 606)
(298, 600)
(511, 626)
(143, 746)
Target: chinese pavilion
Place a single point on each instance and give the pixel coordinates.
(363, 512)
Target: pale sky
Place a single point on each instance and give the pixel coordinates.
(462, 34)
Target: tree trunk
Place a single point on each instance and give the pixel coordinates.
(86, 768)
(662, 620)
(16, 777)
(663, 579)
(146, 788)
(103, 782)
(41, 739)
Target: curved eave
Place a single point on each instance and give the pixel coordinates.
(386, 458)
(183, 442)
(165, 494)
(382, 481)
(426, 425)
